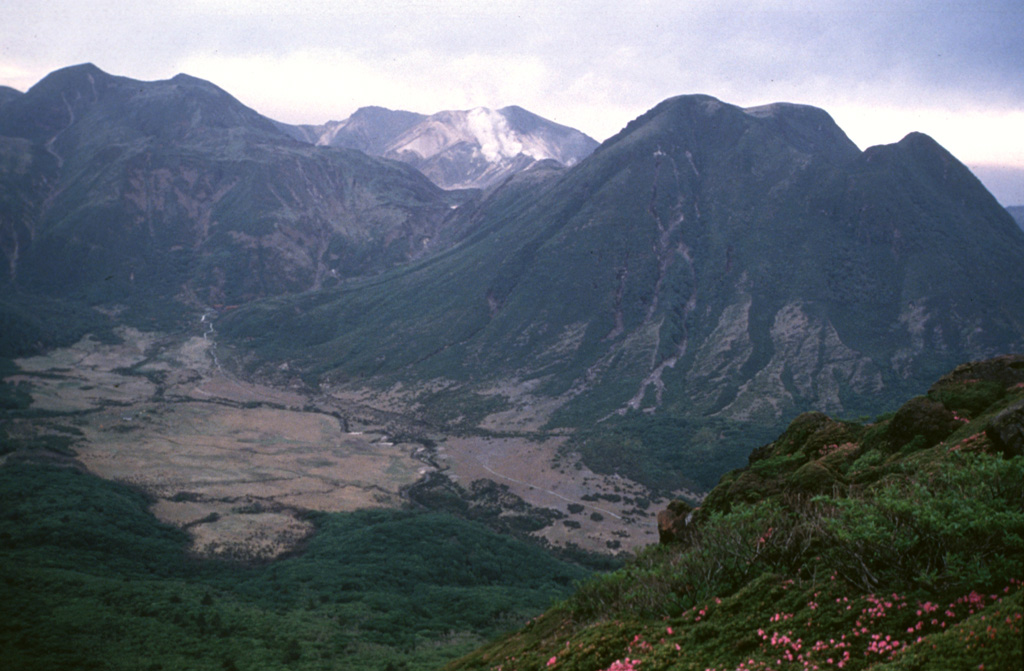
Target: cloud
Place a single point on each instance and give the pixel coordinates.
(972, 135)
(316, 85)
(655, 48)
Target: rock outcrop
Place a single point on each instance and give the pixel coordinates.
(675, 522)
(1006, 431)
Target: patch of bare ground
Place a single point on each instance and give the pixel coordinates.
(219, 529)
(603, 512)
(234, 463)
(229, 459)
(223, 387)
(83, 376)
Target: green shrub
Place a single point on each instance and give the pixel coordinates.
(960, 528)
(865, 463)
(921, 416)
(814, 478)
(969, 397)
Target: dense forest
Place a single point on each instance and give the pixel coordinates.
(91, 580)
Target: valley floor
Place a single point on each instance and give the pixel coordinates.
(238, 464)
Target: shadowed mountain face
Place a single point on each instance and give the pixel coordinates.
(709, 264)
(475, 148)
(118, 190)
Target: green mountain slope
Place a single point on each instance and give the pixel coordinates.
(709, 266)
(895, 545)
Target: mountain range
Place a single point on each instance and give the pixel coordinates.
(710, 280)
(116, 190)
(707, 272)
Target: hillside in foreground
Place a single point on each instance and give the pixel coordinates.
(893, 545)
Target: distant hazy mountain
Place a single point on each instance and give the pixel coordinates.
(369, 129)
(474, 148)
(1017, 212)
(121, 191)
(708, 268)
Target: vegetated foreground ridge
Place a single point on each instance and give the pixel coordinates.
(893, 545)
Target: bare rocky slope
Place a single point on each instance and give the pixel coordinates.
(457, 149)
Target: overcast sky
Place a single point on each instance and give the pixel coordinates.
(951, 68)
